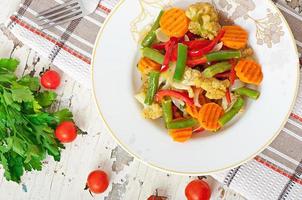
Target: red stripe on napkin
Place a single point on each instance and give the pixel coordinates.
(297, 117)
(107, 10)
(277, 169)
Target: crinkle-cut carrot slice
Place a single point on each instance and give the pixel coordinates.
(249, 71)
(181, 135)
(174, 22)
(234, 37)
(209, 115)
(145, 65)
(192, 111)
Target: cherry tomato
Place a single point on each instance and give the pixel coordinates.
(50, 80)
(66, 132)
(97, 181)
(198, 190)
(155, 197)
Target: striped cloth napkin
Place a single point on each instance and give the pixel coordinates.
(276, 173)
(68, 46)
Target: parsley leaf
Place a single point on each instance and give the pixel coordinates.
(62, 115)
(26, 125)
(45, 99)
(21, 93)
(9, 64)
(31, 82)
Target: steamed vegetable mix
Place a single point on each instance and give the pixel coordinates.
(27, 127)
(196, 73)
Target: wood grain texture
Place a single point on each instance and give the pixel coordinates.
(94, 148)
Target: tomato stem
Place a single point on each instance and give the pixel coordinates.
(201, 177)
(86, 187)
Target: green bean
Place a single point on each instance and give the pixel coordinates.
(223, 55)
(181, 62)
(151, 36)
(216, 69)
(167, 110)
(184, 123)
(253, 94)
(153, 55)
(228, 116)
(152, 87)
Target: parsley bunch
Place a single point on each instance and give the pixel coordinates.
(26, 125)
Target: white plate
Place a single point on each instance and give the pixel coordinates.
(116, 81)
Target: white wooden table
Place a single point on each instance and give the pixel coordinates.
(129, 179)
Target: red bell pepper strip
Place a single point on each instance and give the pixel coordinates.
(215, 56)
(198, 61)
(191, 35)
(198, 130)
(197, 44)
(228, 96)
(181, 39)
(208, 48)
(174, 53)
(223, 75)
(172, 93)
(169, 48)
(232, 76)
(159, 46)
(176, 112)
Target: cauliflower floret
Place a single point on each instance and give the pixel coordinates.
(215, 88)
(204, 20)
(144, 86)
(170, 83)
(190, 76)
(248, 52)
(153, 111)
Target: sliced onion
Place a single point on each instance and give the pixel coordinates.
(224, 102)
(140, 97)
(218, 47)
(161, 36)
(180, 86)
(197, 92)
(237, 84)
(179, 104)
(186, 38)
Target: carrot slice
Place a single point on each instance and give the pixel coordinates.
(193, 111)
(181, 135)
(209, 115)
(235, 37)
(146, 65)
(249, 71)
(174, 22)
